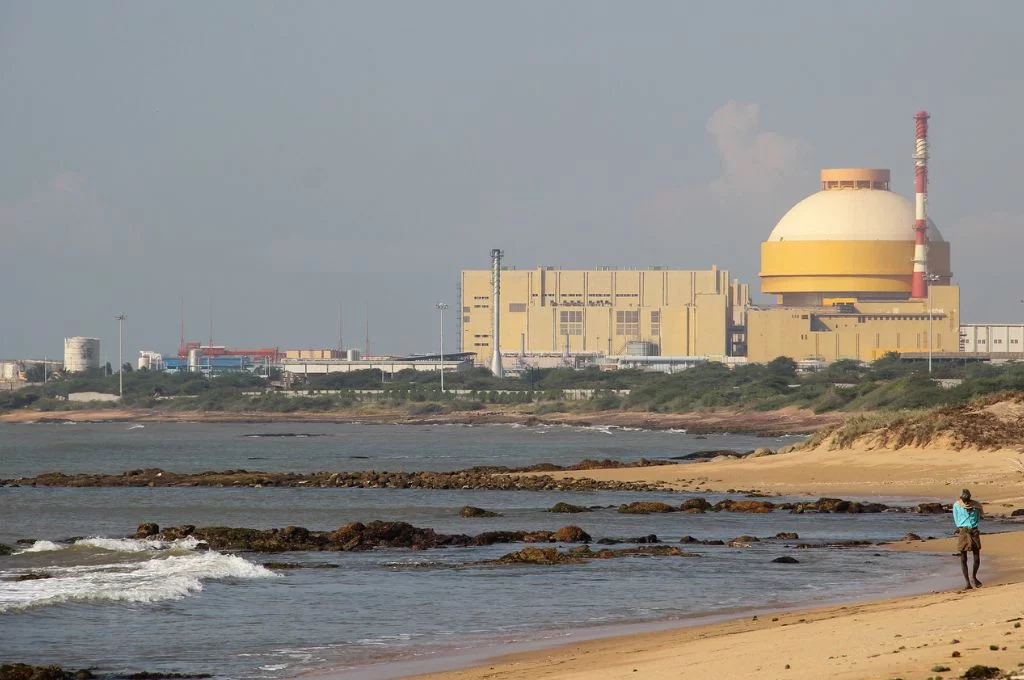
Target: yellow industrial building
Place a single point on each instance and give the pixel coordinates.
(839, 264)
(605, 312)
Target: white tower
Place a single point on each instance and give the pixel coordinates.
(496, 368)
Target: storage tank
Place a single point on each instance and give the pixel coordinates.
(194, 359)
(10, 370)
(352, 355)
(151, 361)
(641, 348)
(81, 354)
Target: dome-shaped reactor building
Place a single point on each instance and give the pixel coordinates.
(844, 264)
(852, 240)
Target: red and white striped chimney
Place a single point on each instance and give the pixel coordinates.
(919, 282)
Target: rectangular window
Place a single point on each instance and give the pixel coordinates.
(570, 323)
(627, 323)
(656, 323)
(517, 306)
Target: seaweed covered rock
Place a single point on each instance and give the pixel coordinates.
(932, 508)
(838, 505)
(5, 549)
(537, 556)
(581, 553)
(147, 529)
(473, 511)
(695, 505)
(21, 671)
(568, 508)
(744, 506)
(743, 541)
(645, 507)
(787, 535)
(786, 559)
(571, 534)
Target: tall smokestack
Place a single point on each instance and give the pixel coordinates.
(496, 368)
(919, 283)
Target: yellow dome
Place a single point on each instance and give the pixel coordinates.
(853, 239)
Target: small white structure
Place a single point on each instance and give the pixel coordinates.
(85, 397)
(81, 354)
(150, 361)
(384, 364)
(992, 338)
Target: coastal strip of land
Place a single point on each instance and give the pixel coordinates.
(768, 423)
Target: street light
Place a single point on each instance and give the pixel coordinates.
(441, 306)
(120, 351)
(930, 278)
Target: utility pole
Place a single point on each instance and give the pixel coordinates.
(930, 278)
(441, 306)
(120, 352)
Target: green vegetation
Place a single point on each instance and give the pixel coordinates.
(886, 385)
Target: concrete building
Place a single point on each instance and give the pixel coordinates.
(995, 339)
(551, 312)
(841, 265)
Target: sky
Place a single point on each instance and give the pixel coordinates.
(273, 161)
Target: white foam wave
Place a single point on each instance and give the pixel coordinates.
(137, 544)
(42, 546)
(163, 577)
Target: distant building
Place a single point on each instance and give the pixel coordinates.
(547, 312)
(992, 338)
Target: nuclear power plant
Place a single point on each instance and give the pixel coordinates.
(855, 270)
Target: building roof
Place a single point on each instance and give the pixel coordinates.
(851, 215)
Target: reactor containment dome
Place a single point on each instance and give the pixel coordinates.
(853, 239)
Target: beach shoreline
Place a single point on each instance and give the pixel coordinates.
(874, 637)
(903, 636)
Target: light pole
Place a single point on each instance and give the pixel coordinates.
(120, 351)
(441, 306)
(930, 278)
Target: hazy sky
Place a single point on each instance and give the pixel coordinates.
(282, 158)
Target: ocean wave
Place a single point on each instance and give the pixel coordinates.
(137, 544)
(161, 577)
(42, 546)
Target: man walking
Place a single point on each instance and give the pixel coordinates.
(966, 515)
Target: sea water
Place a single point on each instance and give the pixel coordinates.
(120, 604)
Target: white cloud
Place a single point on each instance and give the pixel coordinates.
(761, 173)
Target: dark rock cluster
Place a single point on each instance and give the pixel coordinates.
(354, 536)
(500, 478)
(582, 553)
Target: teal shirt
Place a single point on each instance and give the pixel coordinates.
(965, 517)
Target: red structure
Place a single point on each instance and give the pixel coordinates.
(919, 282)
(272, 354)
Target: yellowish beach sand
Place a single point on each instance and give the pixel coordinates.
(910, 637)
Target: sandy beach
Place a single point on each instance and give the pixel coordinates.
(908, 637)
(898, 638)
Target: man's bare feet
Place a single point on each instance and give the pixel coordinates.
(977, 583)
